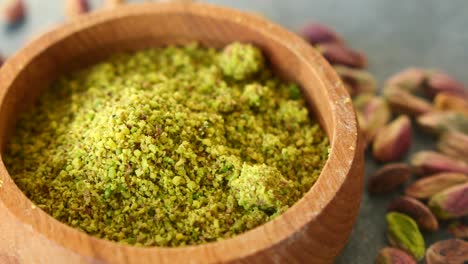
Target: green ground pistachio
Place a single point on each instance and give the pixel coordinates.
(168, 146)
(240, 61)
(263, 187)
(403, 232)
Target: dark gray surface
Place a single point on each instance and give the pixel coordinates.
(394, 34)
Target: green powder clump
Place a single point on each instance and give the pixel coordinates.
(240, 61)
(168, 146)
(263, 187)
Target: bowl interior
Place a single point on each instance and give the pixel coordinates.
(95, 37)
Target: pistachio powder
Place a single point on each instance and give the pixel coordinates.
(168, 146)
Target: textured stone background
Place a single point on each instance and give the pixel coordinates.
(394, 34)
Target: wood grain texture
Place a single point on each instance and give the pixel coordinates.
(314, 230)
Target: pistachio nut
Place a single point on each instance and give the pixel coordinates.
(75, 8)
(393, 141)
(450, 203)
(431, 162)
(389, 177)
(454, 144)
(451, 251)
(426, 187)
(376, 115)
(438, 82)
(451, 102)
(403, 233)
(336, 53)
(362, 133)
(356, 81)
(438, 122)
(360, 101)
(403, 102)
(14, 11)
(316, 33)
(416, 210)
(409, 80)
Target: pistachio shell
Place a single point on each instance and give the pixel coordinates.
(361, 120)
(416, 210)
(360, 101)
(451, 251)
(357, 81)
(14, 11)
(439, 122)
(362, 136)
(441, 82)
(336, 53)
(431, 162)
(426, 187)
(451, 102)
(454, 144)
(450, 203)
(390, 255)
(389, 177)
(316, 33)
(403, 102)
(393, 141)
(410, 79)
(403, 233)
(376, 115)
(74, 8)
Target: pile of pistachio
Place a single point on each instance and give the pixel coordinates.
(438, 104)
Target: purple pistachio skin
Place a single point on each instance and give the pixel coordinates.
(441, 82)
(427, 187)
(409, 80)
(394, 140)
(451, 203)
(14, 11)
(316, 33)
(389, 177)
(431, 162)
(338, 54)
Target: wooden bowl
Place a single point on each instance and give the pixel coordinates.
(314, 230)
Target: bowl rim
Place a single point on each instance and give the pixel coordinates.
(280, 229)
